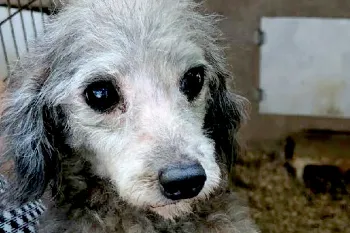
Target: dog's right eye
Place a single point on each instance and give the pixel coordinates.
(101, 96)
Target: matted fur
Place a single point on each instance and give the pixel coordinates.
(102, 169)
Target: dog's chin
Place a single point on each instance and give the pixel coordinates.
(172, 210)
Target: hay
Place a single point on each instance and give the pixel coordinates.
(281, 204)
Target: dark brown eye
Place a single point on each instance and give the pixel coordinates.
(101, 96)
(192, 82)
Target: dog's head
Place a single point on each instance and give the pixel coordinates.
(136, 88)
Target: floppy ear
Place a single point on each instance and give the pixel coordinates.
(225, 112)
(29, 129)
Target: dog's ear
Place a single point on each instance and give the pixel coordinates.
(29, 128)
(225, 113)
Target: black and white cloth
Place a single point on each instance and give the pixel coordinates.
(23, 219)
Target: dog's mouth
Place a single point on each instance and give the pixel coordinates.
(171, 209)
(163, 205)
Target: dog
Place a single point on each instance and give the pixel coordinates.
(121, 119)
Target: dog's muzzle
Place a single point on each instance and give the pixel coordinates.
(182, 181)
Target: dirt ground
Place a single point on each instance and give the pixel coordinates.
(279, 203)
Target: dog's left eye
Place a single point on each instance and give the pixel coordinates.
(101, 96)
(192, 82)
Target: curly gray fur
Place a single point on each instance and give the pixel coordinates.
(101, 168)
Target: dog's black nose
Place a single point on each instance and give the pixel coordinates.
(182, 182)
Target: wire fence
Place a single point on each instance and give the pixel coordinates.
(21, 21)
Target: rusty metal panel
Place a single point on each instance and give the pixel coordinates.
(305, 67)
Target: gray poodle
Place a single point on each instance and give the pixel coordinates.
(119, 117)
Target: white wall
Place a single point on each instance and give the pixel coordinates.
(305, 67)
(8, 39)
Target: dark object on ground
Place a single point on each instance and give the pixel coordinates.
(324, 178)
(289, 148)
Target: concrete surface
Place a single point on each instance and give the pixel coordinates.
(304, 67)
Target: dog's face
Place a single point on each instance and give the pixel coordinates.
(144, 128)
(141, 87)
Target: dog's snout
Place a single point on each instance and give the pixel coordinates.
(182, 182)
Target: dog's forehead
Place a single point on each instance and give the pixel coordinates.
(130, 22)
(139, 33)
(123, 37)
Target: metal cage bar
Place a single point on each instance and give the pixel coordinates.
(12, 29)
(4, 52)
(23, 26)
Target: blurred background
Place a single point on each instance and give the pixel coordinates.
(291, 59)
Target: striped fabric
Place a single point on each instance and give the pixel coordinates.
(23, 219)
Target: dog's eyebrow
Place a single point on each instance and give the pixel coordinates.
(101, 77)
(197, 65)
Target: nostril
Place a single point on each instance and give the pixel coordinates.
(182, 181)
